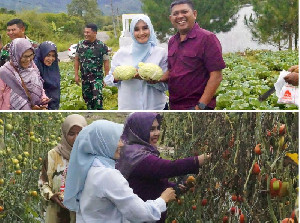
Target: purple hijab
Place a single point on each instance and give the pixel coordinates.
(136, 137)
(11, 71)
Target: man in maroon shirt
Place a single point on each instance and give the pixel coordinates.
(195, 61)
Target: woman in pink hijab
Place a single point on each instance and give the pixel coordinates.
(21, 86)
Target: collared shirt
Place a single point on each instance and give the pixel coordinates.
(4, 53)
(91, 56)
(190, 63)
(137, 94)
(107, 197)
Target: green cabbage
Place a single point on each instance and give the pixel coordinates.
(150, 71)
(124, 72)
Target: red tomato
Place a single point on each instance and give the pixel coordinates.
(256, 169)
(257, 149)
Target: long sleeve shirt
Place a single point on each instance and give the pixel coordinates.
(137, 94)
(107, 197)
(150, 177)
(5, 92)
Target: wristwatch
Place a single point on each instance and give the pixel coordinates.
(201, 105)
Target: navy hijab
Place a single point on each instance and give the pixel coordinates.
(50, 74)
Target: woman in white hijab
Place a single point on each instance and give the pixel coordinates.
(54, 171)
(137, 94)
(96, 190)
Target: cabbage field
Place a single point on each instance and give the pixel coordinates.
(247, 75)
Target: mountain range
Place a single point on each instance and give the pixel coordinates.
(57, 6)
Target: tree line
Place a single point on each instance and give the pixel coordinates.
(63, 29)
(274, 21)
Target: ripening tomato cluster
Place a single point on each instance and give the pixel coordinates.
(249, 174)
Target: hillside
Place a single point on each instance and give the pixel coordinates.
(56, 6)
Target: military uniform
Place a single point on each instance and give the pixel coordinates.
(91, 57)
(4, 53)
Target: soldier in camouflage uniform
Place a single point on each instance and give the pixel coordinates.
(15, 29)
(91, 55)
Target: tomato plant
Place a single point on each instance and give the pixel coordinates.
(24, 141)
(232, 192)
(225, 190)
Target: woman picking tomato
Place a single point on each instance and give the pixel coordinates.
(96, 190)
(140, 163)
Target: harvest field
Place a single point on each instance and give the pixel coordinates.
(249, 150)
(247, 75)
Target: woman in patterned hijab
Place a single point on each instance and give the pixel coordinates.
(20, 81)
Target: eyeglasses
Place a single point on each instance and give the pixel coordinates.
(31, 56)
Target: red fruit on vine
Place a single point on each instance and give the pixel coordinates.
(288, 220)
(242, 218)
(194, 207)
(275, 186)
(192, 189)
(269, 133)
(204, 202)
(226, 154)
(282, 130)
(234, 197)
(256, 169)
(174, 221)
(179, 202)
(240, 198)
(240, 211)
(293, 215)
(225, 219)
(232, 210)
(257, 149)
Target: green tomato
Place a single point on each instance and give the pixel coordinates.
(9, 127)
(276, 185)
